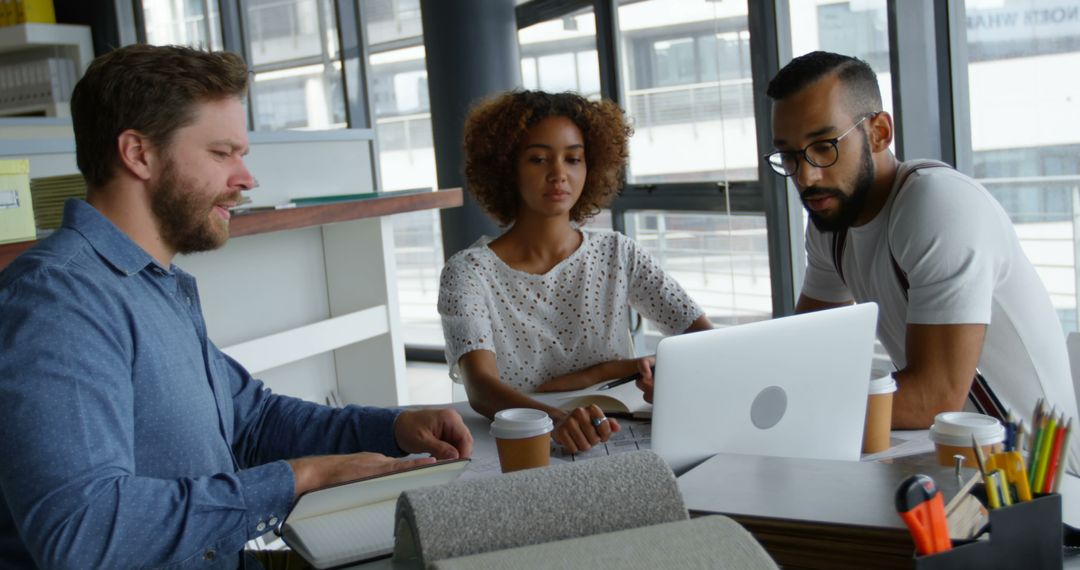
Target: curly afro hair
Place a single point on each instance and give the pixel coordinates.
(496, 128)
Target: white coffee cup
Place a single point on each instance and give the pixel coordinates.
(952, 433)
(523, 438)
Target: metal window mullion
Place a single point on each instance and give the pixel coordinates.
(537, 11)
(305, 61)
(922, 79)
(359, 105)
(768, 25)
(131, 21)
(234, 39)
(952, 32)
(607, 48)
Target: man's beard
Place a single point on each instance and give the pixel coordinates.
(850, 206)
(184, 214)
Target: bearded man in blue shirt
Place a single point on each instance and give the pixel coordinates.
(128, 438)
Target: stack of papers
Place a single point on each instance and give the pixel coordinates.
(50, 193)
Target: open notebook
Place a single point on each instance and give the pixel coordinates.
(354, 521)
(624, 399)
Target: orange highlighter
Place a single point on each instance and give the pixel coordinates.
(921, 506)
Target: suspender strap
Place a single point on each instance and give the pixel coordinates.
(985, 400)
(839, 240)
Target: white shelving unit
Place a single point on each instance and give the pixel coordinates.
(65, 41)
(74, 41)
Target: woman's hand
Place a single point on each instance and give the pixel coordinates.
(645, 383)
(582, 428)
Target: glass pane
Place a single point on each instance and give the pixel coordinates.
(859, 29)
(392, 20)
(721, 260)
(686, 71)
(308, 97)
(402, 109)
(287, 30)
(294, 51)
(399, 93)
(560, 55)
(183, 22)
(1025, 129)
(419, 255)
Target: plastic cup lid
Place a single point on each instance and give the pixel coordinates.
(520, 423)
(883, 385)
(956, 428)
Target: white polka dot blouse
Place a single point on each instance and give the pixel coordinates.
(574, 316)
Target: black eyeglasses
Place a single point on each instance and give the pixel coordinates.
(822, 154)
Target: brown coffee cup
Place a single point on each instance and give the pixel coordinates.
(523, 438)
(878, 427)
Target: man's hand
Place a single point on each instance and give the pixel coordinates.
(322, 470)
(645, 383)
(440, 432)
(576, 432)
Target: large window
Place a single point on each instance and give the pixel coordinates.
(1024, 106)
(687, 84)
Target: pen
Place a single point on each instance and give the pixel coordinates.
(621, 381)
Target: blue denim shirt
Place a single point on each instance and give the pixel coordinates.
(127, 438)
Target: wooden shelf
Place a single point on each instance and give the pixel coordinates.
(306, 216)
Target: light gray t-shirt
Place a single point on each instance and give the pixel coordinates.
(965, 264)
(574, 316)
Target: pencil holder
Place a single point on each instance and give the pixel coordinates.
(1024, 535)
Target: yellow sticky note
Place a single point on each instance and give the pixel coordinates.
(16, 208)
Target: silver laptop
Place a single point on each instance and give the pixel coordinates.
(790, 387)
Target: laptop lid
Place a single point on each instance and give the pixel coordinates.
(791, 387)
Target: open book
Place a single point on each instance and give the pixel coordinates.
(354, 521)
(624, 399)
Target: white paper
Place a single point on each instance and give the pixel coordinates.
(346, 536)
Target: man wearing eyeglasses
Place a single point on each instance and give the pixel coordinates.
(930, 245)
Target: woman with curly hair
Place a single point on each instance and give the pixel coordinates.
(545, 306)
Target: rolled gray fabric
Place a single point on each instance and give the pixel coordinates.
(709, 543)
(622, 491)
